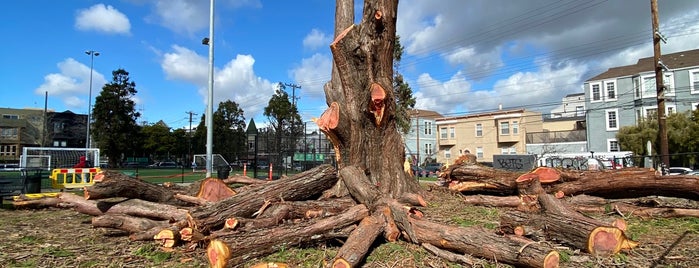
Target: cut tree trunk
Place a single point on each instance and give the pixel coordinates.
(132, 207)
(302, 186)
(238, 247)
(568, 226)
(127, 223)
(476, 178)
(613, 185)
(482, 243)
(116, 184)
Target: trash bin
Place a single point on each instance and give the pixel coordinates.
(222, 171)
(32, 181)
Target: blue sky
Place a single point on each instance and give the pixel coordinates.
(461, 56)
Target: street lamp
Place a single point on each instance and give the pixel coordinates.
(210, 99)
(252, 140)
(92, 54)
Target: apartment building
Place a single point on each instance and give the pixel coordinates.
(21, 128)
(485, 134)
(421, 141)
(623, 95)
(564, 129)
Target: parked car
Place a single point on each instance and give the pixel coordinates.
(164, 164)
(678, 170)
(419, 171)
(432, 169)
(298, 167)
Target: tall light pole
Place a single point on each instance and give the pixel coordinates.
(210, 102)
(92, 55)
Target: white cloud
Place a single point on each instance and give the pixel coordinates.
(477, 65)
(236, 81)
(101, 18)
(183, 16)
(72, 84)
(313, 73)
(190, 16)
(533, 90)
(316, 39)
(527, 52)
(445, 98)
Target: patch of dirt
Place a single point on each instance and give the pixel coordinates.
(65, 238)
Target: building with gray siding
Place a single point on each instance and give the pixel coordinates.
(421, 141)
(623, 95)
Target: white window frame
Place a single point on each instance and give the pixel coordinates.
(443, 135)
(694, 81)
(668, 108)
(428, 148)
(514, 125)
(592, 92)
(609, 145)
(447, 153)
(452, 132)
(637, 81)
(669, 81)
(479, 152)
(645, 91)
(502, 129)
(479, 130)
(428, 128)
(606, 91)
(607, 121)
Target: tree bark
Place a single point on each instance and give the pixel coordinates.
(115, 184)
(612, 185)
(566, 225)
(302, 186)
(243, 246)
(484, 244)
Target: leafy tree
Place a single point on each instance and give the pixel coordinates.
(282, 114)
(229, 132)
(229, 126)
(115, 117)
(402, 92)
(159, 141)
(683, 137)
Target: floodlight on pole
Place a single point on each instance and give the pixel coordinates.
(92, 55)
(210, 100)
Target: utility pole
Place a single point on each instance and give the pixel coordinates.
(417, 131)
(189, 134)
(293, 104)
(659, 84)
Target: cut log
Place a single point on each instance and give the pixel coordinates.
(115, 184)
(213, 190)
(543, 174)
(243, 246)
(132, 207)
(127, 223)
(476, 178)
(305, 186)
(568, 226)
(482, 243)
(617, 185)
(242, 180)
(357, 245)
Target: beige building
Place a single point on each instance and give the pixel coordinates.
(485, 134)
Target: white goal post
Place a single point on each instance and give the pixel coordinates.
(56, 157)
(199, 164)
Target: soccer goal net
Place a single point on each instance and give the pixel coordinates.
(199, 164)
(49, 157)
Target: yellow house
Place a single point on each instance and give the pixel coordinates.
(485, 134)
